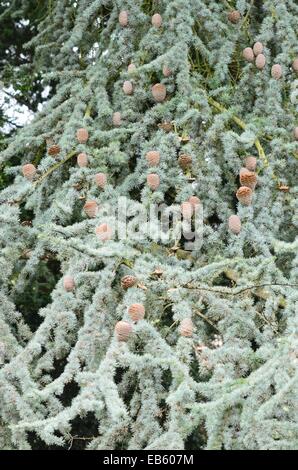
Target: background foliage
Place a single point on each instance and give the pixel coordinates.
(65, 380)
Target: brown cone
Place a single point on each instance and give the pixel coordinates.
(54, 150)
(248, 178)
(244, 195)
(101, 180)
(123, 330)
(29, 171)
(186, 327)
(90, 208)
(159, 92)
(153, 181)
(153, 157)
(251, 163)
(234, 16)
(82, 135)
(82, 160)
(136, 312)
(123, 18)
(104, 232)
(235, 224)
(128, 281)
(185, 161)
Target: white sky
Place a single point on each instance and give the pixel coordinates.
(18, 114)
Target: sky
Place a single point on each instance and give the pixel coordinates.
(16, 113)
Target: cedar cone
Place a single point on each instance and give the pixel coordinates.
(186, 210)
(117, 118)
(82, 160)
(90, 208)
(29, 171)
(82, 135)
(54, 150)
(235, 224)
(156, 20)
(258, 48)
(104, 232)
(234, 16)
(194, 200)
(248, 178)
(186, 327)
(251, 163)
(136, 312)
(153, 181)
(131, 68)
(127, 87)
(123, 18)
(128, 281)
(123, 329)
(153, 157)
(248, 54)
(185, 161)
(276, 71)
(244, 195)
(100, 180)
(68, 283)
(167, 72)
(159, 92)
(260, 61)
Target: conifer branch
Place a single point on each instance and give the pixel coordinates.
(243, 126)
(218, 291)
(57, 165)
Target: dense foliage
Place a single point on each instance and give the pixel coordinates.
(207, 355)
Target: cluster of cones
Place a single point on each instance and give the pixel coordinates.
(136, 312)
(30, 171)
(159, 91)
(256, 55)
(244, 194)
(103, 231)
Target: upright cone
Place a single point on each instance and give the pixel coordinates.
(153, 157)
(136, 312)
(123, 18)
(159, 92)
(250, 163)
(68, 283)
(186, 327)
(82, 160)
(82, 135)
(235, 224)
(104, 232)
(101, 180)
(90, 208)
(156, 20)
(29, 171)
(244, 195)
(153, 181)
(123, 330)
(248, 178)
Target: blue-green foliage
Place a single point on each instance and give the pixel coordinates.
(233, 384)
